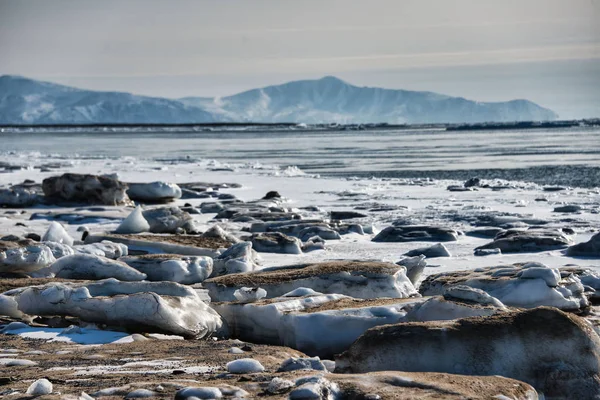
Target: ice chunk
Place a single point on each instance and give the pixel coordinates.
(247, 294)
(244, 366)
(90, 267)
(26, 259)
(56, 233)
(198, 393)
(301, 292)
(134, 223)
(166, 267)
(40, 388)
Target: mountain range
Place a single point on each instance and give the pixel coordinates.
(325, 100)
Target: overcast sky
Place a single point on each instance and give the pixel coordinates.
(547, 51)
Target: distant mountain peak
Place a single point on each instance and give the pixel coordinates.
(324, 100)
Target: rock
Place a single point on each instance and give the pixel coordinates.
(487, 233)
(306, 363)
(314, 388)
(29, 258)
(237, 258)
(276, 243)
(186, 270)
(210, 208)
(527, 241)
(33, 236)
(340, 215)
(92, 267)
(486, 252)
(10, 238)
(478, 346)
(416, 233)
(169, 220)
(272, 195)
(437, 250)
(591, 248)
(279, 385)
(568, 209)
(154, 192)
(520, 285)
(358, 279)
(414, 267)
(472, 182)
(162, 307)
(56, 233)
(554, 188)
(244, 366)
(40, 388)
(134, 223)
(458, 188)
(89, 189)
(320, 231)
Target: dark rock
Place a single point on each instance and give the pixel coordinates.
(568, 209)
(339, 215)
(472, 182)
(591, 248)
(33, 236)
(416, 233)
(527, 241)
(272, 195)
(90, 189)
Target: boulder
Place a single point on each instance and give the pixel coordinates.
(92, 267)
(527, 241)
(340, 215)
(89, 189)
(416, 233)
(437, 250)
(170, 267)
(561, 362)
(591, 248)
(162, 307)
(276, 243)
(568, 209)
(359, 279)
(153, 192)
(526, 285)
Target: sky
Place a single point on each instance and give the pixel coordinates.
(547, 51)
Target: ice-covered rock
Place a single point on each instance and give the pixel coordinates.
(591, 248)
(249, 294)
(134, 223)
(104, 248)
(56, 233)
(162, 307)
(169, 267)
(154, 192)
(437, 250)
(428, 385)
(206, 392)
(320, 325)
(302, 363)
(276, 242)
(40, 388)
(486, 252)
(90, 189)
(92, 267)
(279, 385)
(244, 366)
(527, 241)
(359, 279)
(25, 259)
(19, 197)
(514, 285)
(519, 345)
(416, 233)
(414, 267)
(237, 258)
(169, 220)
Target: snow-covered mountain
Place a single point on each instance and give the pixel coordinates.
(326, 100)
(27, 101)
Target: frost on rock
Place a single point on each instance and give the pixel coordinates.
(249, 294)
(244, 366)
(515, 286)
(161, 307)
(238, 258)
(91, 267)
(56, 233)
(154, 192)
(173, 268)
(25, 259)
(169, 220)
(134, 223)
(40, 388)
(321, 325)
(90, 189)
(519, 345)
(276, 243)
(359, 279)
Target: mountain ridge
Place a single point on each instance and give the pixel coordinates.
(325, 100)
